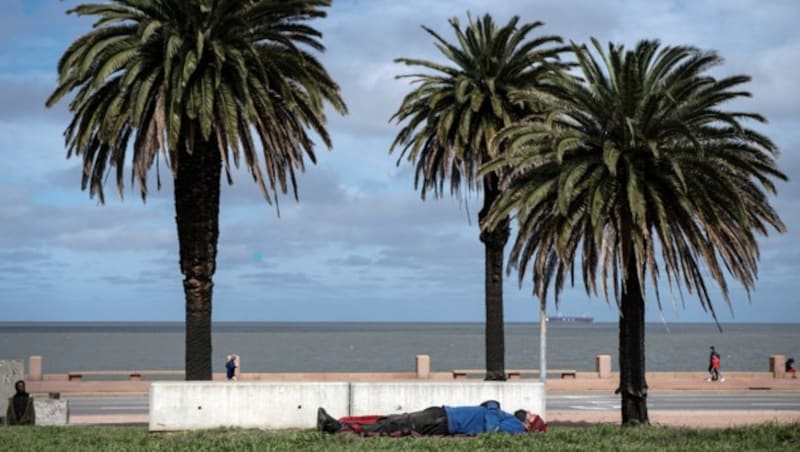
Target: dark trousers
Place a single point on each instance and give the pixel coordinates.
(430, 421)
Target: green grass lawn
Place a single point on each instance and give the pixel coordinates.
(767, 437)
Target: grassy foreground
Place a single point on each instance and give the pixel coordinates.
(770, 437)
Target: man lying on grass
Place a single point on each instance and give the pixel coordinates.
(436, 420)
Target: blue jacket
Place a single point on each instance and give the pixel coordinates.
(486, 418)
(230, 368)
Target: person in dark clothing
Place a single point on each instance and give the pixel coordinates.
(436, 420)
(790, 367)
(230, 367)
(20, 407)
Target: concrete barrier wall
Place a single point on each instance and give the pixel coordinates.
(406, 396)
(191, 405)
(50, 411)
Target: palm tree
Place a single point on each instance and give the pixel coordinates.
(451, 117)
(194, 83)
(640, 170)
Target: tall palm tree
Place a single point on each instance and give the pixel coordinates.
(639, 169)
(194, 83)
(452, 115)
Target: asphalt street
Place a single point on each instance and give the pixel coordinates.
(681, 401)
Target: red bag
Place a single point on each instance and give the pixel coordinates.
(354, 423)
(538, 424)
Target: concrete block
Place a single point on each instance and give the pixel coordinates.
(405, 396)
(423, 365)
(34, 368)
(50, 411)
(237, 372)
(194, 405)
(10, 372)
(603, 366)
(777, 365)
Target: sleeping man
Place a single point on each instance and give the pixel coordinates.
(436, 420)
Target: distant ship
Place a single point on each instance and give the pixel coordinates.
(569, 319)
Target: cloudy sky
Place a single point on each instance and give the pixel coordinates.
(360, 245)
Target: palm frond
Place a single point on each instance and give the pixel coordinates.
(172, 74)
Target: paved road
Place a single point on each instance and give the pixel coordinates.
(108, 405)
(685, 401)
(584, 402)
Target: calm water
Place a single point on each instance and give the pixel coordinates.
(356, 347)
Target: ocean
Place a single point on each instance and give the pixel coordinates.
(386, 347)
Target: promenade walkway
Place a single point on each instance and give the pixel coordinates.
(584, 382)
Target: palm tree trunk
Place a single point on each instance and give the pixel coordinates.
(494, 242)
(543, 341)
(197, 187)
(632, 383)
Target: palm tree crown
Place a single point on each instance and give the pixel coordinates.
(166, 73)
(455, 111)
(640, 151)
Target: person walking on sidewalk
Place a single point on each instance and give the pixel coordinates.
(714, 366)
(711, 363)
(230, 367)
